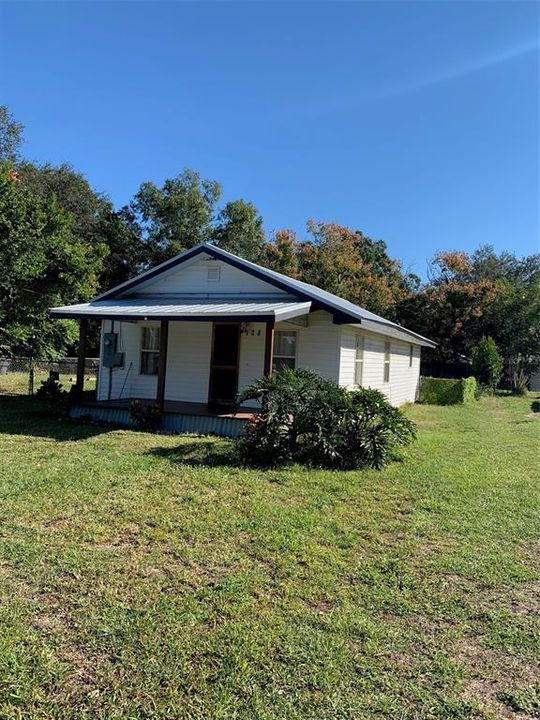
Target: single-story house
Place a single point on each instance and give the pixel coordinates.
(192, 332)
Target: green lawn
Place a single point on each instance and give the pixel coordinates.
(16, 383)
(146, 576)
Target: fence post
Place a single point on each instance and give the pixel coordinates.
(31, 377)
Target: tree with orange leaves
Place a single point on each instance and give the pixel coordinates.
(472, 295)
(345, 262)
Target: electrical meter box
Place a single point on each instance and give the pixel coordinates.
(111, 358)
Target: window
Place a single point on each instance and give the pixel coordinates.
(411, 354)
(359, 360)
(149, 350)
(387, 350)
(284, 350)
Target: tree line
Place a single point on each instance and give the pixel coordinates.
(61, 242)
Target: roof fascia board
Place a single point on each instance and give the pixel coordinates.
(178, 318)
(411, 336)
(287, 314)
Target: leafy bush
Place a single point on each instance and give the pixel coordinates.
(307, 419)
(146, 416)
(487, 363)
(52, 393)
(447, 391)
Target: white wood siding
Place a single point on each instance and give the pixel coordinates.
(193, 278)
(318, 344)
(321, 346)
(188, 361)
(251, 354)
(126, 381)
(189, 351)
(403, 384)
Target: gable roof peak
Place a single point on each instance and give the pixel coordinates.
(343, 310)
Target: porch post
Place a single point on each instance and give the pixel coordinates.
(269, 348)
(162, 367)
(81, 353)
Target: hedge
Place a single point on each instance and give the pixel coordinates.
(446, 391)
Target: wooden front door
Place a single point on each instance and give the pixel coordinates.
(224, 364)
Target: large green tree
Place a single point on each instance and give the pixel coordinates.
(176, 216)
(43, 264)
(239, 229)
(73, 193)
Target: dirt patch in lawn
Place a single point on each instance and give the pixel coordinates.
(493, 676)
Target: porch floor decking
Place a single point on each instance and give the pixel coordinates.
(178, 407)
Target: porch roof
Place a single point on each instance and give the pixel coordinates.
(186, 309)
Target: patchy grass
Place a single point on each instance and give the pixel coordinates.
(16, 383)
(147, 576)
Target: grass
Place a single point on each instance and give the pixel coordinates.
(16, 383)
(147, 576)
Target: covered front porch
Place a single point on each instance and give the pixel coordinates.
(192, 366)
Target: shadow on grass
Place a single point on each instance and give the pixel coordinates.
(535, 406)
(202, 453)
(23, 415)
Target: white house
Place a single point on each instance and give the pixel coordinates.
(192, 332)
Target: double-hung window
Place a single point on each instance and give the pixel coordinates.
(149, 350)
(387, 353)
(284, 349)
(359, 360)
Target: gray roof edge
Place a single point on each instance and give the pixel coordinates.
(395, 330)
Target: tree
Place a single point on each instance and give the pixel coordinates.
(127, 253)
(487, 363)
(239, 230)
(73, 194)
(10, 136)
(43, 265)
(452, 307)
(93, 219)
(515, 324)
(176, 216)
(281, 253)
(352, 265)
(469, 296)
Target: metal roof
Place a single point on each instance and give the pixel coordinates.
(186, 308)
(344, 311)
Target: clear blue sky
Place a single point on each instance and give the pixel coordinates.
(416, 122)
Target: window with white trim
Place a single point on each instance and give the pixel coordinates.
(284, 349)
(359, 359)
(150, 350)
(411, 354)
(387, 353)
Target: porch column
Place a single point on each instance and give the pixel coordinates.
(269, 348)
(162, 367)
(81, 354)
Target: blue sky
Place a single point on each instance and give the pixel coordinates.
(415, 122)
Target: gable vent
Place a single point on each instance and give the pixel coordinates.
(213, 273)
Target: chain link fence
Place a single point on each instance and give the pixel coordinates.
(23, 376)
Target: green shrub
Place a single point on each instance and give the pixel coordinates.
(146, 416)
(53, 395)
(487, 363)
(447, 391)
(305, 418)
